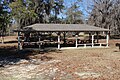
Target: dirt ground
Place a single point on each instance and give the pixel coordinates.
(75, 64)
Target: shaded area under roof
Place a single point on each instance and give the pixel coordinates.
(61, 28)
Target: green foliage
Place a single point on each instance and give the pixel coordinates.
(23, 12)
(35, 11)
(47, 8)
(52, 19)
(57, 7)
(4, 16)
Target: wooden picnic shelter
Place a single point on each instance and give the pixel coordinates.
(64, 29)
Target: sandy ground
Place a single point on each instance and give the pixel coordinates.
(75, 64)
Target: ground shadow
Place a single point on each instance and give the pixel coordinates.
(44, 51)
(10, 42)
(116, 50)
(11, 55)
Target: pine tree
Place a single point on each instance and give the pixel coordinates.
(73, 14)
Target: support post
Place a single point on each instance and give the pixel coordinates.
(39, 43)
(84, 45)
(2, 39)
(50, 36)
(58, 41)
(97, 37)
(76, 41)
(19, 43)
(64, 38)
(92, 40)
(107, 40)
(100, 44)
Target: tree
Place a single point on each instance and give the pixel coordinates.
(106, 14)
(73, 14)
(27, 12)
(52, 19)
(57, 8)
(23, 12)
(48, 8)
(115, 26)
(4, 16)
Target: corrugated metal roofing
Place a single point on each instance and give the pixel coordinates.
(62, 27)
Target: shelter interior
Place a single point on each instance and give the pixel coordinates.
(60, 40)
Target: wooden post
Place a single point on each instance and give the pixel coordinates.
(64, 38)
(84, 45)
(2, 39)
(19, 44)
(76, 41)
(92, 40)
(58, 41)
(100, 44)
(39, 43)
(50, 34)
(107, 40)
(97, 37)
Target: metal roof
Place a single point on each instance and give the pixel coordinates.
(61, 27)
